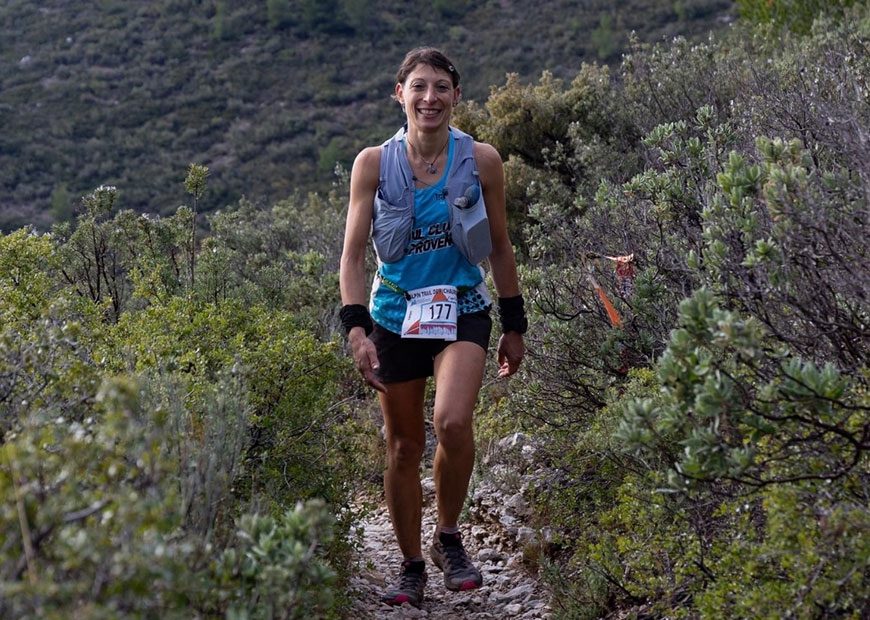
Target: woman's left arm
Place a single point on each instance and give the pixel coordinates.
(502, 260)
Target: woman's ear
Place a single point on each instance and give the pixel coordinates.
(398, 95)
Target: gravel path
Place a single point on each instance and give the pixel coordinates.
(508, 591)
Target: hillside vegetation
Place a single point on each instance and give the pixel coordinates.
(182, 435)
(269, 95)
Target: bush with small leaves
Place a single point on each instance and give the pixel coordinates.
(130, 446)
(27, 263)
(274, 568)
(573, 133)
(797, 551)
(91, 517)
(285, 257)
(737, 407)
(745, 311)
(797, 15)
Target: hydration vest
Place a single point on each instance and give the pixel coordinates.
(393, 213)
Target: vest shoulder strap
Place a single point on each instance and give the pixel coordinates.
(393, 159)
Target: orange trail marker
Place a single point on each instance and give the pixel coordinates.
(612, 314)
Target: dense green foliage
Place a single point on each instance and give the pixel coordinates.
(174, 443)
(710, 455)
(269, 95)
(796, 15)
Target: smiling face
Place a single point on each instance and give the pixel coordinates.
(428, 95)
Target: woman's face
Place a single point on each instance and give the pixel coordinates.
(428, 96)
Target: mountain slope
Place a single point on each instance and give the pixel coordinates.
(269, 95)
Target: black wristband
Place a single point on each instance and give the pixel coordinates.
(511, 311)
(356, 315)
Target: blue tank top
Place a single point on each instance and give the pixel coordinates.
(431, 259)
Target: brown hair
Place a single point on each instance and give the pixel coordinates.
(426, 56)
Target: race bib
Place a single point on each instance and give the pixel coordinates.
(431, 313)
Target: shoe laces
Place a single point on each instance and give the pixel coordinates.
(409, 580)
(457, 557)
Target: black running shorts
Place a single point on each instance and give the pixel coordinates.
(404, 359)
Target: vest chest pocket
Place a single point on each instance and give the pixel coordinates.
(468, 220)
(391, 228)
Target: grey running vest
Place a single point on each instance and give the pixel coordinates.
(393, 214)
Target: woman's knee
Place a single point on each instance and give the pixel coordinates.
(454, 430)
(404, 452)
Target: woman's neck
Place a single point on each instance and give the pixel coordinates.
(428, 144)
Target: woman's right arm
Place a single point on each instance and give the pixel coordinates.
(352, 276)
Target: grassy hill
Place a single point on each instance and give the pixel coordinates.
(269, 95)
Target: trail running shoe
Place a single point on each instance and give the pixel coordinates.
(409, 587)
(449, 555)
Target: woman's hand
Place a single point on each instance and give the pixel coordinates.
(365, 357)
(511, 350)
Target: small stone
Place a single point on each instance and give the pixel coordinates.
(519, 593)
(375, 580)
(512, 441)
(526, 535)
(509, 523)
(500, 471)
(504, 581)
(486, 555)
(517, 505)
(513, 609)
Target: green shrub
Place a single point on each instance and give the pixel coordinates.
(93, 514)
(152, 442)
(800, 551)
(26, 264)
(574, 134)
(736, 408)
(273, 570)
(709, 453)
(98, 525)
(797, 15)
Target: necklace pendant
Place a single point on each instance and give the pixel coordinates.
(431, 168)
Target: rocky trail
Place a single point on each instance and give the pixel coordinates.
(494, 536)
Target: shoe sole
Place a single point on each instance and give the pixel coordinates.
(401, 599)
